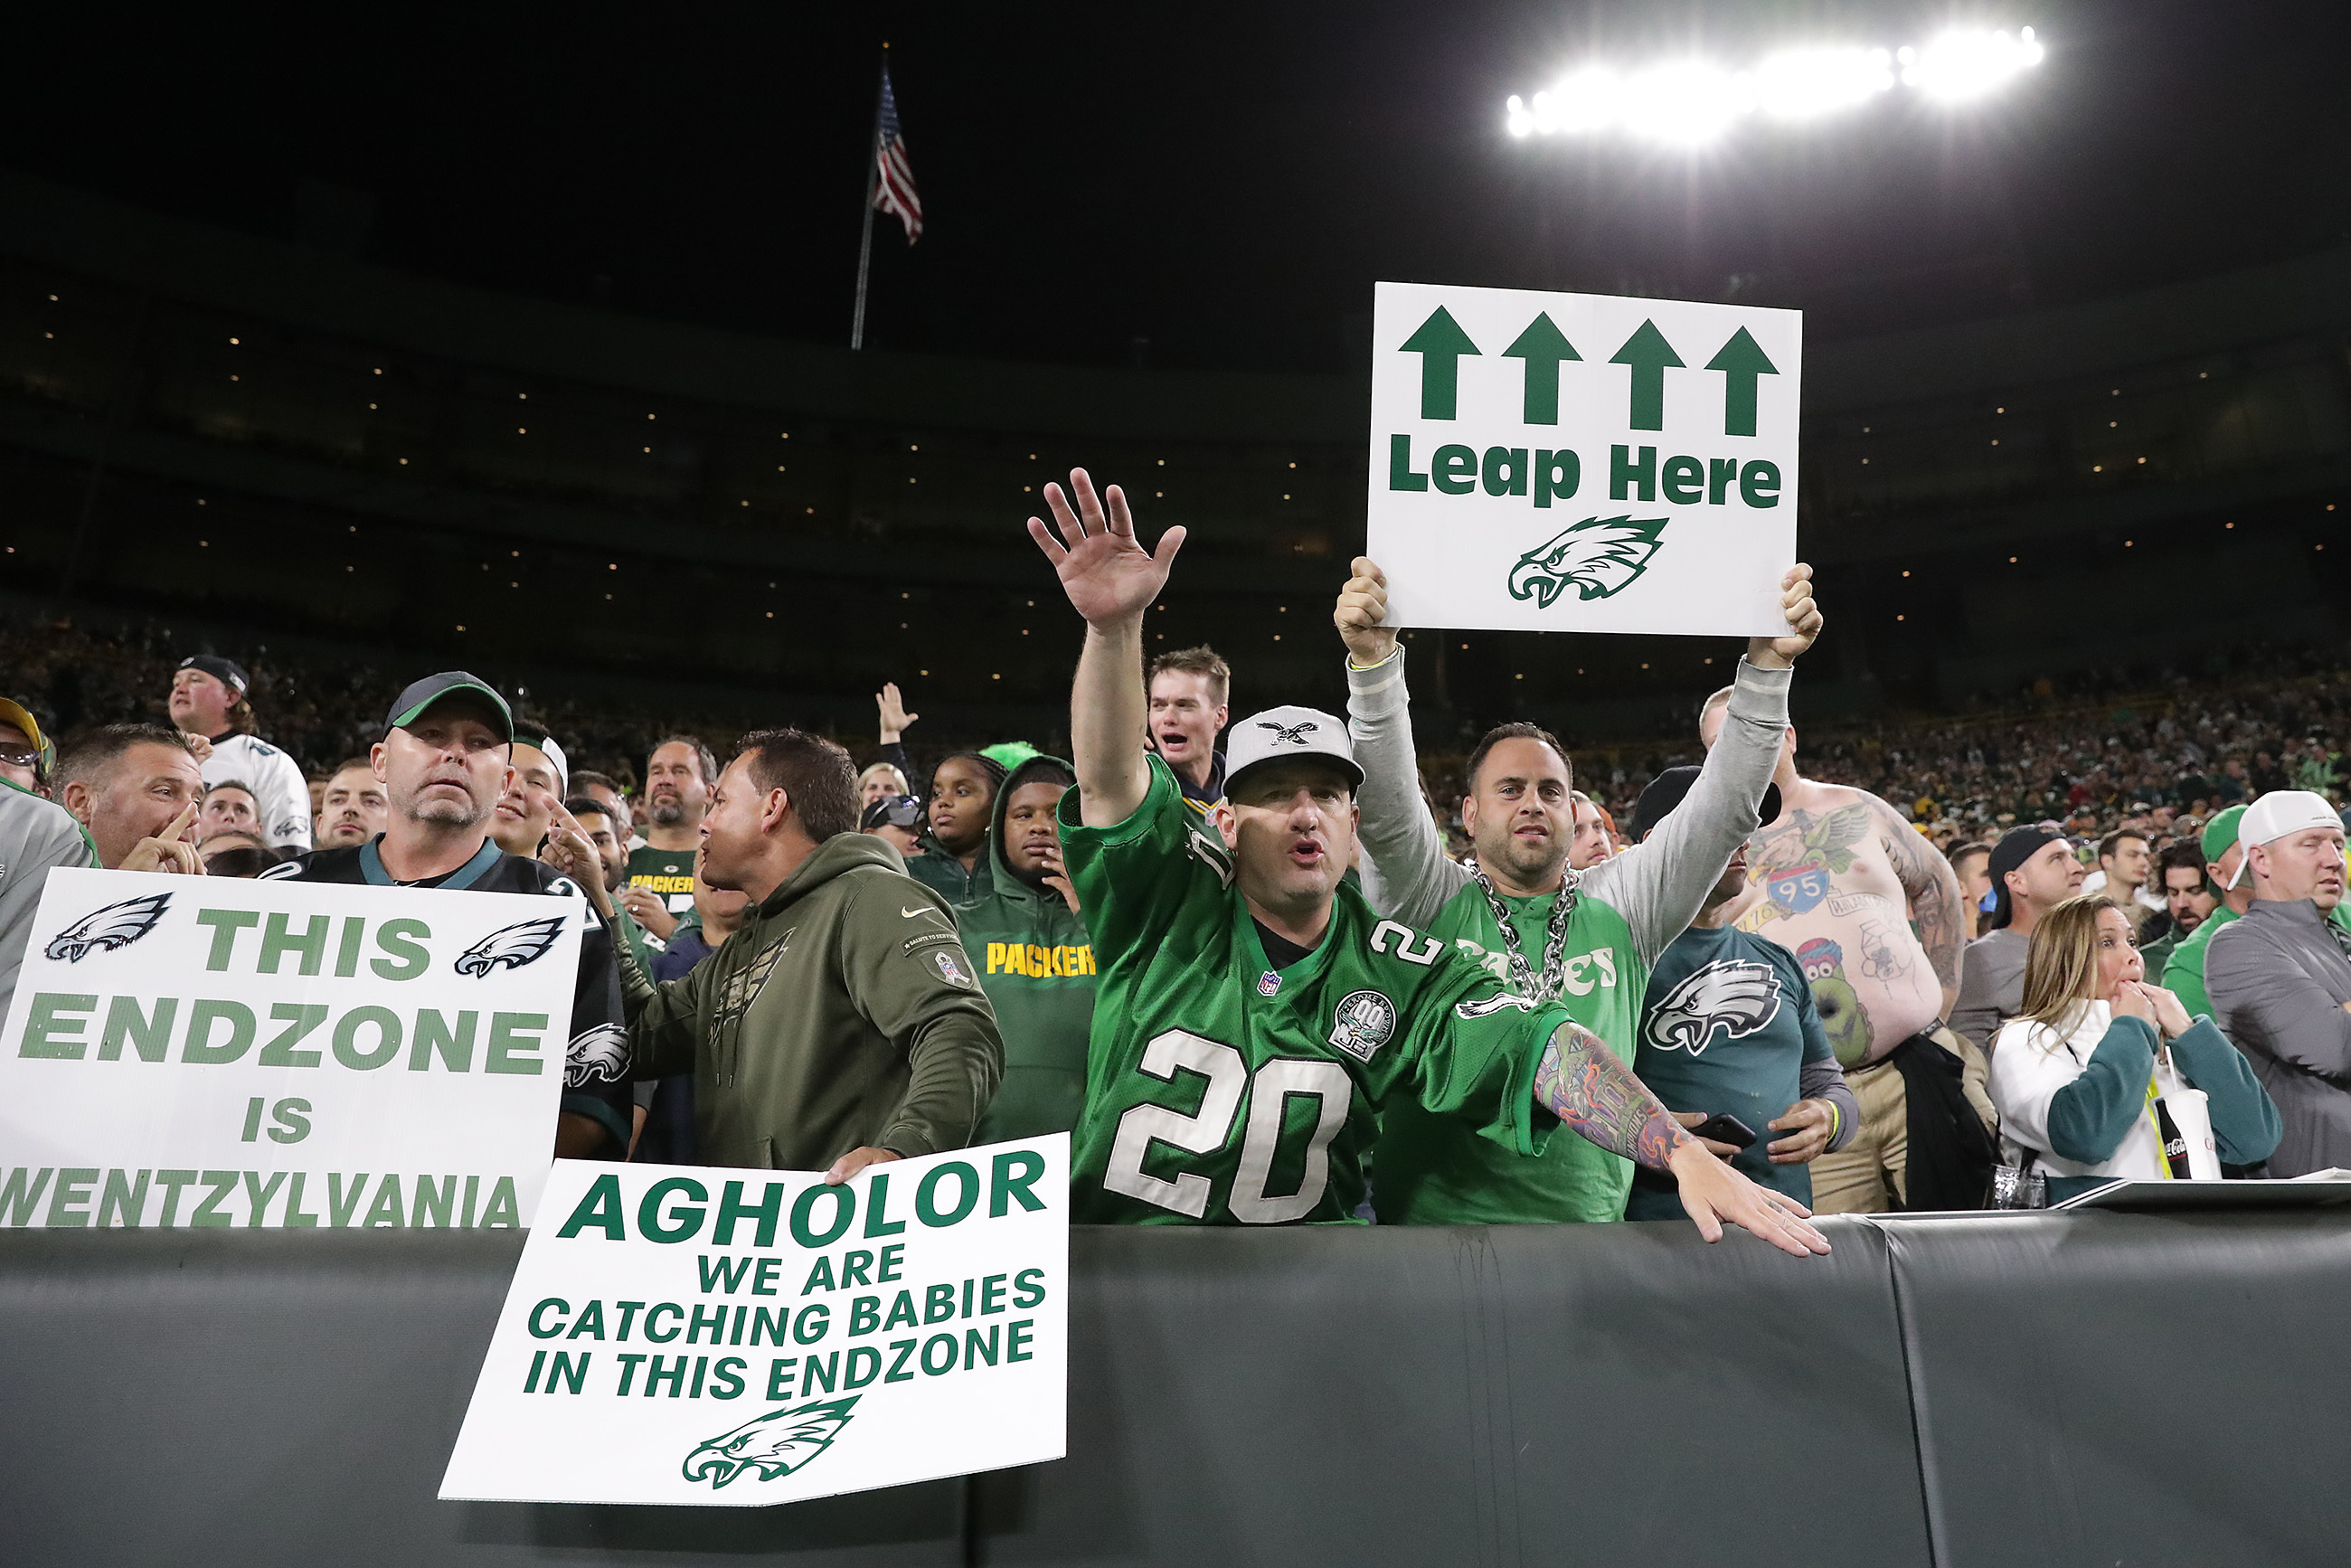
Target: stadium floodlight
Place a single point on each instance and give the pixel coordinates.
(1804, 84)
(1691, 103)
(1956, 67)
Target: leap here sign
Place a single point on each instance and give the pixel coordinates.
(183, 1052)
(736, 1338)
(1583, 462)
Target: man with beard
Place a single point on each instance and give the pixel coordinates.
(208, 703)
(1584, 940)
(678, 777)
(1588, 845)
(2188, 898)
(1028, 947)
(1729, 1029)
(352, 810)
(1255, 1014)
(2033, 870)
(444, 764)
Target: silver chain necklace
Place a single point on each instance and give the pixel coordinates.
(1543, 987)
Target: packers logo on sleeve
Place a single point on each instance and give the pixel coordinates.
(1362, 1023)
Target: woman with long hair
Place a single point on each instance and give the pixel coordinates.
(2104, 1076)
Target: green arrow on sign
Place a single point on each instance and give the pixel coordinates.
(1741, 361)
(1542, 346)
(1440, 343)
(1648, 354)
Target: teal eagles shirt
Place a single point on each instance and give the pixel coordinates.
(1728, 1025)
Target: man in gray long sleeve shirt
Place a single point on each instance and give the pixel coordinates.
(2034, 871)
(1587, 939)
(2280, 983)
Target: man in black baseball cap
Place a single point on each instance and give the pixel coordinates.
(443, 760)
(895, 820)
(2033, 870)
(1729, 1029)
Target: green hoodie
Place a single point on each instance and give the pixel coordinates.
(843, 1014)
(1036, 964)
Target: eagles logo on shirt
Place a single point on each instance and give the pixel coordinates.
(1735, 995)
(1362, 1023)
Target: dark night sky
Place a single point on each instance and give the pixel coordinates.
(1226, 181)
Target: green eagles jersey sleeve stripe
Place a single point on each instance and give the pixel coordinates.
(1220, 1090)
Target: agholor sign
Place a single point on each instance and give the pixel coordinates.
(684, 1335)
(1581, 461)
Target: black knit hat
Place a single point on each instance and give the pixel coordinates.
(2016, 846)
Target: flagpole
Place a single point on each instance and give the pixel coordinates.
(865, 232)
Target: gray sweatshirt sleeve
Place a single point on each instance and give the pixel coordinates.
(1825, 1081)
(36, 836)
(1989, 972)
(1657, 886)
(1406, 873)
(2262, 996)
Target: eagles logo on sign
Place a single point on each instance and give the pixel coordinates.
(510, 947)
(1362, 1023)
(774, 1445)
(1597, 557)
(115, 925)
(1735, 995)
(600, 1055)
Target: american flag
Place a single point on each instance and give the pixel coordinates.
(893, 185)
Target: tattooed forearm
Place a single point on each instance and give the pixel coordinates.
(1581, 1082)
(1936, 906)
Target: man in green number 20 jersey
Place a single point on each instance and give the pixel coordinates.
(1253, 1012)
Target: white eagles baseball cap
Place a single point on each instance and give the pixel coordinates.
(2276, 814)
(1287, 734)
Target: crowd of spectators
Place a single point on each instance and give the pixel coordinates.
(1834, 952)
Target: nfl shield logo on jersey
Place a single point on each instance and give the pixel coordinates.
(1269, 982)
(1362, 1023)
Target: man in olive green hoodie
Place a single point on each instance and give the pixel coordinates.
(842, 1024)
(1028, 947)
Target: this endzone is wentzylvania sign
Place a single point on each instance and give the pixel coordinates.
(189, 1051)
(1581, 461)
(684, 1335)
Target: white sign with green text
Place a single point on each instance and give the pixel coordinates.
(687, 1335)
(1581, 461)
(187, 1052)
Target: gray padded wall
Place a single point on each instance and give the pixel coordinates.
(1985, 1391)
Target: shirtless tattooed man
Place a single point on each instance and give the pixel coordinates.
(1873, 914)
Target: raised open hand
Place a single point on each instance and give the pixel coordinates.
(891, 712)
(1105, 569)
(1804, 616)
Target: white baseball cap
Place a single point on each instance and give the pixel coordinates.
(2276, 814)
(1287, 734)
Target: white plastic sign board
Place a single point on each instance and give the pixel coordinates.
(1583, 462)
(734, 1338)
(192, 1052)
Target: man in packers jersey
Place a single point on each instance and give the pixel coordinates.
(1253, 1012)
(1584, 940)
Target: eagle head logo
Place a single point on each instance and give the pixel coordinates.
(1735, 995)
(115, 925)
(1598, 557)
(1289, 733)
(511, 946)
(774, 1445)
